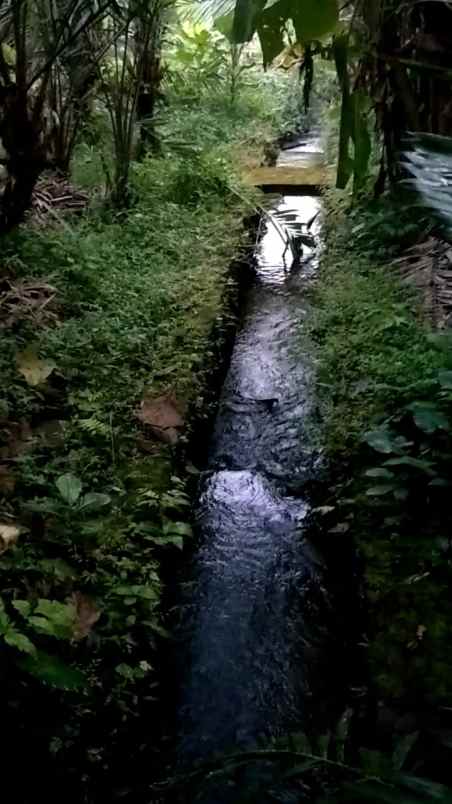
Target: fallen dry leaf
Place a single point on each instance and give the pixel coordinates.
(9, 535)
(87, 615)
(33, 368)
(163, 414)
(29, 300)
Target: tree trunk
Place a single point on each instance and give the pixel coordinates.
(149, 36)
(25, 160)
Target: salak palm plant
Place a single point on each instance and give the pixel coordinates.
(38, 41)
(427, 159)
(53, 54)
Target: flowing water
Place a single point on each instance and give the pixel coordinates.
(260, 612)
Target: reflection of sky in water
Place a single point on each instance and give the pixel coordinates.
(273, 252)
(307, 154)
(253, 608)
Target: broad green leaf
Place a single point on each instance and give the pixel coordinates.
(385, 474)
(415, 463)
(225, 25)
(53, 671)
(53, 618)
(42, 625)
(54, 610)
(137, 590)
(94, 501)
(23, 607)
(19, 641)
(245, 19)
(428, 417)
(57, 567)
(380, 440)
(179, 528)
(314, 19)
(5, 622)
(361, 137)
(381, 491)
(70, 488)
(176, 541)
(125, 670)
(270, 29)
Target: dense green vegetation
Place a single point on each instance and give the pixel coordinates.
(112, 324)
(101, 316)
(384, 389)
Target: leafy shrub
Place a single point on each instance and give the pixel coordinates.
(384, 384)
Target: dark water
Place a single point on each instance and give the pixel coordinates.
(259, 613)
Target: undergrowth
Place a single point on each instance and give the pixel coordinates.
(384, 384)
(101, 317)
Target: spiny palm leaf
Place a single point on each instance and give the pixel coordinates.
(428, 160)
(204, 11)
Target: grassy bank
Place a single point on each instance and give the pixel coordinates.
(384, 385)
(105, 355)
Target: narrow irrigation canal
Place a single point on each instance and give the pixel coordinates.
(261, 617)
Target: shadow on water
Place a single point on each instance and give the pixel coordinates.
(264, 648)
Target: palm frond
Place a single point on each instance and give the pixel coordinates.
(428, 161)
(205, 11)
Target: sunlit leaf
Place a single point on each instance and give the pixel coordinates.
(33, 368)
(380, 440)
(23, 607)
(225, 25)
(94, 501)
(70, 488)
(381, 491)
(21, 642)
(53, 671)
(379, 472)
(415, 463)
